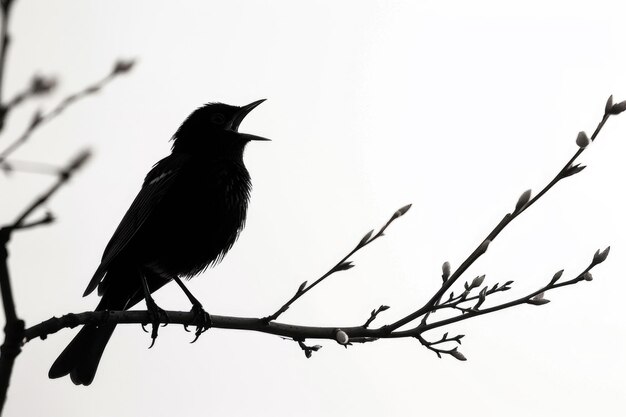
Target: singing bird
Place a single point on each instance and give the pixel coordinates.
(187, 215)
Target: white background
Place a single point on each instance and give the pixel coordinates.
(454, 106)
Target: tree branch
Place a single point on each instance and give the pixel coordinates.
(292, 331)
(14, 328)
(522, 205)
(5, 40)
(40, 119)
(343, 265)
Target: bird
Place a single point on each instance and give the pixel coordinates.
(186, 217)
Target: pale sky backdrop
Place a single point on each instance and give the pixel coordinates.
(454, 106)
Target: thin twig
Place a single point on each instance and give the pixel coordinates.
(14, 328)
(40, 119)
(5, 40)
(39, 85)
(444, 339)
(63, 178)
(482, 247)
(375, 314)
(342, 265)
(291, 331)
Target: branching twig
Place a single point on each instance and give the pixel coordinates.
(454, 302)
(308, 350)
(64, 177)
(344, 335)
(14, 328)
(375, 314)
(342, 265)
(524, 202)
(40, 119)
(444, 339)
(534, 298)
(348, 335)
(39, 85)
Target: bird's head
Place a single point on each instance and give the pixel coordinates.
(214, 128)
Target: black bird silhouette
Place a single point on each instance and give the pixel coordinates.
(188, 214)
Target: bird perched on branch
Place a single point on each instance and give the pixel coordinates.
(186, 217)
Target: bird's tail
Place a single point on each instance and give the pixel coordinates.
(81, 357)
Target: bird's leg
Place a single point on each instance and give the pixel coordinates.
(204, 320)
(153, 309)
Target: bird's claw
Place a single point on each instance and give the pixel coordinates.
(203, 318)
(154, 311)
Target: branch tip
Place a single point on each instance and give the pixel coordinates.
(557, 276)
(445, 269)
(608, 105)
(617, 108)
(600, 257)
(401, 211)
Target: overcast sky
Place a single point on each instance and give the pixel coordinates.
(455, 106)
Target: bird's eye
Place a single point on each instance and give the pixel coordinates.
(217, 119)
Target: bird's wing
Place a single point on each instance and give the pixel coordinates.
(157, 183)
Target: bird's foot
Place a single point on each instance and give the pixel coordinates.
(155, 312)
(202, 318)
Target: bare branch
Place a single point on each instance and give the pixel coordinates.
(308, 350)
(342, 265)
(343, 335)
(5, 40)
(14, 329)
(522, 205)
(64, 177)
(48, 218)
(39, 86)
(40, 119)
(454, 352)
(375, 314)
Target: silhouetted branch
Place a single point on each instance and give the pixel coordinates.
(39, 119)
(340, 334)
(14, 328)
(375, 314)
(64, 176)
(5, 40)
(343, 265)
(39, 86)
(534, 298)
(523, 203)
(454, 352)
(468, 304)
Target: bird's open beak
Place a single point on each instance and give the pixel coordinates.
(240, 115)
